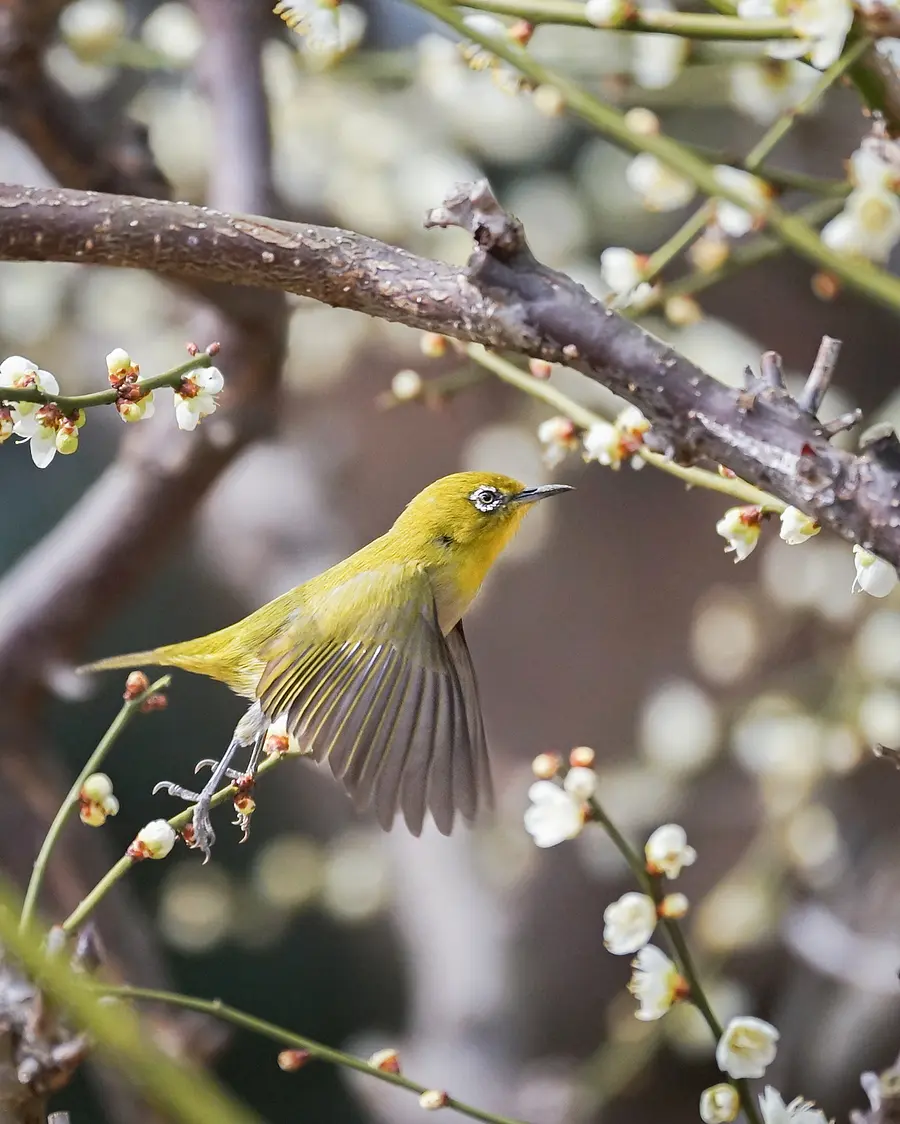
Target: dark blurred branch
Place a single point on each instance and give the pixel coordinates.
(504, 299)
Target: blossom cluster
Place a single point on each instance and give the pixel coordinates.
(607, 443)
(820, 27)
(49, 430)
(96, 800)
(747, 1045)
(741, 527)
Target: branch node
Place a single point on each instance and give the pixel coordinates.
(810, 398)
(771, 369)
(473, 207)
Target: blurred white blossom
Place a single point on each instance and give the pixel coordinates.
(869, 224)
(558, 436)
(747, 1047)
(605, 13)
(628, 923)
(659, 187)
(667, 850)
(657, 60)
(730, 218)
(821, 27)
(719, 1104)
(554, 814)
(873, 575)
(678, 727)
(655, 983)
(601, 444)
(766, 89)
(622, 270)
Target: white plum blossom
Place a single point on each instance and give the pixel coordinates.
(873, 575)
(554, 814)
(869, 224)
(765, 90)
(719, 1104)
(622, 270)
(154, 841)
(730, 218)
(580, 782)
(558, 436)
(655, 983)
(667, 851)
(22, 373)
(406, 385)
(740, 527)
(196, 397)
(628, 923)
(797, 527)
(659, 187)
(97, 801)
(798, 1111)
(747, 1047)
(6, 423)
(821, 27)
(601, 443)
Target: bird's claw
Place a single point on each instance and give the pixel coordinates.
(211, 763)
(176, 790)
(204, 836)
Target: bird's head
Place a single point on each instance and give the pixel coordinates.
(470, 509)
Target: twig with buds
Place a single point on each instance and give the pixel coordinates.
(135, 700)
(382, 1065)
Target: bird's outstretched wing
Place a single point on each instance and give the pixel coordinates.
(367, 680)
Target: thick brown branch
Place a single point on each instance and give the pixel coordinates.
(503, 299)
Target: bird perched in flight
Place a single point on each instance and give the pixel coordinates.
(367, 664)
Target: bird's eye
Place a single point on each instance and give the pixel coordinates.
(486, 499)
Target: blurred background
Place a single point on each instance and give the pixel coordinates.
(737, 702)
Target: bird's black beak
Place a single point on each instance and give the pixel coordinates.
(532, 495)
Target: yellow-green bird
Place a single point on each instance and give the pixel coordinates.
(367, 663)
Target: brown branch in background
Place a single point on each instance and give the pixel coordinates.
(503, 299)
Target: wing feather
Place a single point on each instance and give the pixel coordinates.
(388, 700)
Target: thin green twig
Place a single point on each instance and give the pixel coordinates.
(70, 403)
(689, 25)
(96, 759)
(288, 1038)
(679, 241)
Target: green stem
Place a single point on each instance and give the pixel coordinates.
(129, 709)
(91, 900)
(220, 1010)
(679, 241)
(584, 418)
(783, 125)
(69, 404)
(181, 1091)
(791, 229)
(689, 25)
(744, 256)
(650, 885)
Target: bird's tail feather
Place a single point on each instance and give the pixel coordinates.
(171, 655)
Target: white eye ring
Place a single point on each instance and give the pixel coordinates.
(486, 498)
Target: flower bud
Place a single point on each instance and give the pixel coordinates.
(6, 423)
(388, 1061)
(433, 1098)
(292, 1060)
(154, 841)
(96, 788)
(66, 440)
(135, 685)
(433, 346)
(548, 101)
(110, 805)
(540, 368)
(155, 702)
(92, 814)
(673, 907)
(545, 766)
(119, 365)
(406, 385)
(642, 122)
(582, 757)
(521, 32)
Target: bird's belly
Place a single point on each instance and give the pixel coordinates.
(451, 604)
